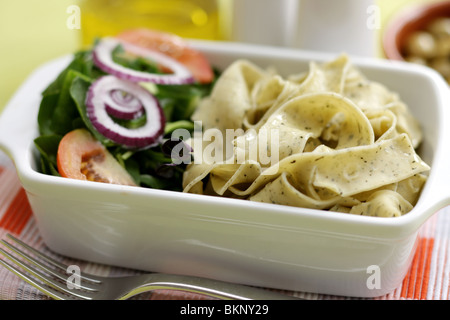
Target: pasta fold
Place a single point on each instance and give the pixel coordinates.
(326, 138)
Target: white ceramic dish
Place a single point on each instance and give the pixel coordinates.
(236, 240)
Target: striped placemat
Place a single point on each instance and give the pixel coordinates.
(427, 279)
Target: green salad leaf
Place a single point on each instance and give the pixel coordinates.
(63, 109)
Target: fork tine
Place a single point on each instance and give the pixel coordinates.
(57, 264)
(55, 273)
(38, 275)
(82, 292)
(61, 286)
(52, 293)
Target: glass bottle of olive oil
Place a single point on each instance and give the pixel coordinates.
(197, 19)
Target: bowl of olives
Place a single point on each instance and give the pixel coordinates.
(421, 34)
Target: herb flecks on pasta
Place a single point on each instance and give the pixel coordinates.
(345, 143)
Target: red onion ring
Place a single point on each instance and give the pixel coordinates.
(102, 56)
(123, 105)
(98, 101)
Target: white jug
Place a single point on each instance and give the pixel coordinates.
(320, 25)
(337, 26)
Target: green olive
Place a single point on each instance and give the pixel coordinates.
(440, 27)
(441, 65)
(443, 46)
(421, 44)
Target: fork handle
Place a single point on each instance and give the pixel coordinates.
(213, 288)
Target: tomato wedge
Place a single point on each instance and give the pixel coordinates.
(172, 46)
(81, 156)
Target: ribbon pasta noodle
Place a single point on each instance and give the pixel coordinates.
(344, 143)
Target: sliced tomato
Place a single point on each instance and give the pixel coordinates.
(173, 46)
(81, 156)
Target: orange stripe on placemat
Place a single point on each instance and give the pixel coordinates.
(427, 268)
(415, 284)
(17, 214)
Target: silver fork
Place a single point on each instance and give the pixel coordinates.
(51, 277)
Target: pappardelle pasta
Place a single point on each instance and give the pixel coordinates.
(344, 143)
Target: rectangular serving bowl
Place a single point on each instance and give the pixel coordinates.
(228, 239)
